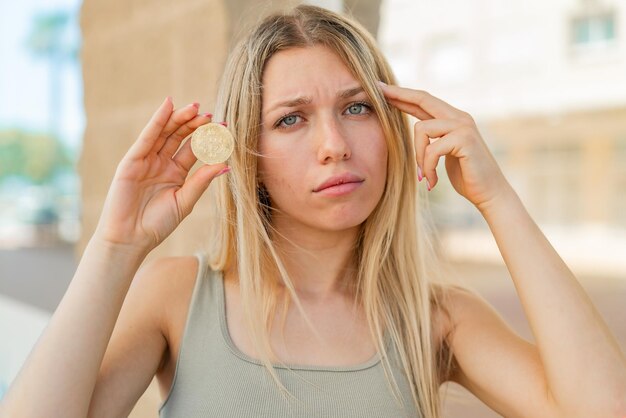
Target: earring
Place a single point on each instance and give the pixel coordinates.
(264, 199)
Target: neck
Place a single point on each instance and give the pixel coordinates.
(320, 264)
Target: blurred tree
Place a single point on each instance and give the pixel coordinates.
(49, 39)
(34, 156)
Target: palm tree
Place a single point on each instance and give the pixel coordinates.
(49, 39)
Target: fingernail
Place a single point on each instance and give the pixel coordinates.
(223, 171)
(428, 184)
(419, 173)
(224, 123)
(195, 104)
(207, 115)
(382, 82)
(168, 99)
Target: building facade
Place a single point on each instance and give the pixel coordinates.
(545, 82)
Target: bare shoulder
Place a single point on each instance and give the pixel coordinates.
(140, 346)
(159, 295)
(163, 268)
(459, 311)
(164, 287)
(170, 271)
(449, 305)
(491, 360)
(457, 300)
(172, 281)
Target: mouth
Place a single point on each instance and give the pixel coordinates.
(340, 182)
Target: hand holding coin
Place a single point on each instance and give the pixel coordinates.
(153, 189)
(212, 143)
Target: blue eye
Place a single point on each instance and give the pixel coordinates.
(358, 108)
(286, 121)
(289, 120)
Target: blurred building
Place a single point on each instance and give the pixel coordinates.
(545, 82)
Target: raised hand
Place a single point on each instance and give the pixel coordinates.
(150, 193)
(471, 167)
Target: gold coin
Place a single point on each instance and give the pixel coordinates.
(212, 143)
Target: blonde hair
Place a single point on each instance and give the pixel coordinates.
(395, 251)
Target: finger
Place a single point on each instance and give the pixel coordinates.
(411, 109)
(185, 157)
(189, 194)
(433, 152)
(150, 133)
(421, 140)
(179, 117)
(427, 102)
(424, 131)
(173, 141)
(176, 120)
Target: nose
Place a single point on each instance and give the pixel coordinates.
(332, 141)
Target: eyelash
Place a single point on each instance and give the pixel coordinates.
(278, 124)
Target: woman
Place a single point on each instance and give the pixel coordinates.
(320, 275)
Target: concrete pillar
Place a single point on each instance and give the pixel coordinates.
(365, 11)
(134, 54)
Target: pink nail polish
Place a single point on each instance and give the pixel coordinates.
(207, 115)
(195, 104)
(419, 173)
(224, 124)
(223, 171)
(428, 184)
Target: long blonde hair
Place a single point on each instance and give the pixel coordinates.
(397, 260)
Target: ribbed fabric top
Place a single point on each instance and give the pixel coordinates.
(215, 379)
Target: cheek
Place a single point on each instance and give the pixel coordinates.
(382, 150)
(378, 155)
(280, 171)
(375, 152)
(269, 161)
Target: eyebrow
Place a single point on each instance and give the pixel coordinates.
(300, 101)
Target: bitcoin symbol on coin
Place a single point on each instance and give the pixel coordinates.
(212, 143)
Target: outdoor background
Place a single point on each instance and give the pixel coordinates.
(544, 80)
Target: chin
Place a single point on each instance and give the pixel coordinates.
(337, 224)
(335, 219)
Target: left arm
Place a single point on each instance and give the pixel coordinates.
(584, 367)
(577, 367)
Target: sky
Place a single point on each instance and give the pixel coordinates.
(24, 79)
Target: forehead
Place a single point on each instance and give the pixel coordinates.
(297, 70)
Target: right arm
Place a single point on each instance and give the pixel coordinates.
(60, 373)
(149, 196)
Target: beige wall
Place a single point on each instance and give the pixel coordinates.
(134, 55)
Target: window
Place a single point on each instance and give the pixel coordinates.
(593, 30)
(555, 177)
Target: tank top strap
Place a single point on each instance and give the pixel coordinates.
(203, 319)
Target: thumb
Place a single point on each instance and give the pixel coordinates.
(189, 194)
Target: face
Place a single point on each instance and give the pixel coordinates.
(319, 129)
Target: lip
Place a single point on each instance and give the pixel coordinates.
(338, 180)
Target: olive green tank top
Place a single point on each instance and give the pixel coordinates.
(215, 379)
